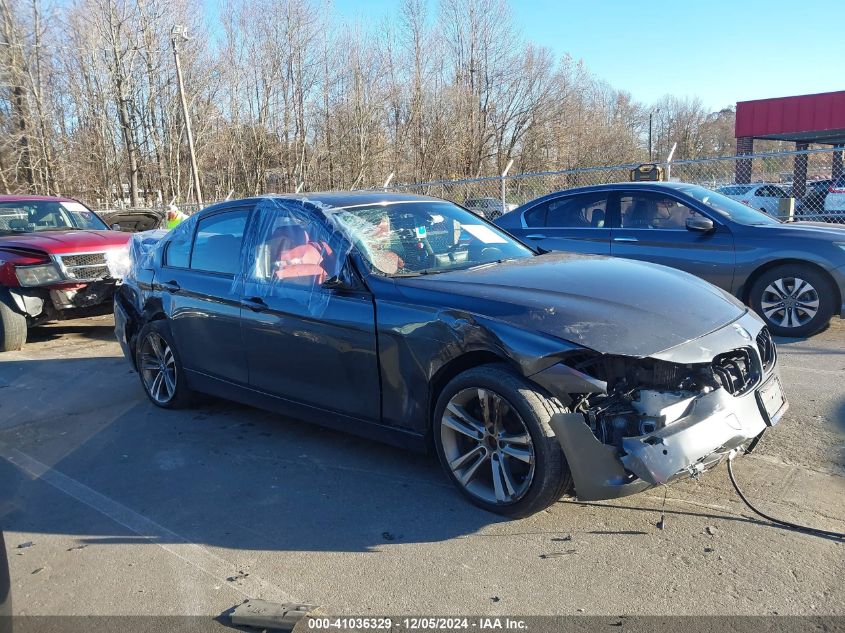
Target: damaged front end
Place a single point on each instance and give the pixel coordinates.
(633, 423)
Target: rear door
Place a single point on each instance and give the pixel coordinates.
(574, 223)
(198, 284)
(651, 226)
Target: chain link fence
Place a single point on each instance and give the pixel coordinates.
(763, 181)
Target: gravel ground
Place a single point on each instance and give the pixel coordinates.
(111, 506)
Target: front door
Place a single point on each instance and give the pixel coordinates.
(651, 226)
(307, 342)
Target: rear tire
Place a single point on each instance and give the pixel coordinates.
(794, 300)
(503, 455)
(160, 368)
(12, 325)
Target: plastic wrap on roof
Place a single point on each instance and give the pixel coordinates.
(292, 249)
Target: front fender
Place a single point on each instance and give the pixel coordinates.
(417, 343)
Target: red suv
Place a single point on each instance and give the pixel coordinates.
(56, 262)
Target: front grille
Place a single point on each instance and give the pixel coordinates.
(736, 371)
(766, 347)
(85, 266)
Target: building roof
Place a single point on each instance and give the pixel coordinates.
(817, 118)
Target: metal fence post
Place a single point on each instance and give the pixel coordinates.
(669, 161)
(504, 176)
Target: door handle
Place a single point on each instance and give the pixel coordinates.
(535, 236)
(625, 239)
(171, 286)
(256, 304)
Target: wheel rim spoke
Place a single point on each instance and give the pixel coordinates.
(503, 486)
(467, 476)
(799, 287)
(522, 439)
(155, 346)
(156, 386)
(778, 288)
(463, 422)
(466, 458)
(521, 454)
(484, 399)
(148, 363)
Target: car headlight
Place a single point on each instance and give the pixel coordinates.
(39, 275)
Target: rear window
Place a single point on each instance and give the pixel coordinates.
(217, 246)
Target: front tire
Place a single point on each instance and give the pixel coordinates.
(492, 434)
(793, 300)
(12, 325)
(160, 368)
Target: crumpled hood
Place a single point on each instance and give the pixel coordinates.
(611, 305)
(52, 242)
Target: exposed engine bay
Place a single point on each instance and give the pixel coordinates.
(632, 423)
(646, 395)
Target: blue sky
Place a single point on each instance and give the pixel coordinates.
(718, 50)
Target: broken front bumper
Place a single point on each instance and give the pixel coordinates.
(713, 425)
(716, 424)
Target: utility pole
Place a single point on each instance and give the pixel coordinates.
(177, 33)
(650, 114)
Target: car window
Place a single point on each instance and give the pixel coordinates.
(426, 237)
(293, 246)
(177, 252)
(653, 211)
(217, 245)
(28, 216)
(728, 207)
(580, 211)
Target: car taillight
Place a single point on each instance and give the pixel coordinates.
(834, 189)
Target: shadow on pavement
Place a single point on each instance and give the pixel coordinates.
(221, 474)
(53, 332)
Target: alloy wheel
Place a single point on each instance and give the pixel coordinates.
(790, 302)
(487, 446)
(158, 368)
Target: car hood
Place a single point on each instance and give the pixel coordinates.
(611, 305)
(58, 242)
(822, 230)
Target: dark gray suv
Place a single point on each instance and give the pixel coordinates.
(792, 274)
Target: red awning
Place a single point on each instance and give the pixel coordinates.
(818, 118)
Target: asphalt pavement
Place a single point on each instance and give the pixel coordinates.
(112, 506)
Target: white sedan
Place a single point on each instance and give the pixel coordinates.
(763, 196)
(834, 202)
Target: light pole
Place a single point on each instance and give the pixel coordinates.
(176, 34)
(650, 114)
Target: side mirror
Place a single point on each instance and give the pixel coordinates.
(343, 280)
(115, 227)
(700, 223)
